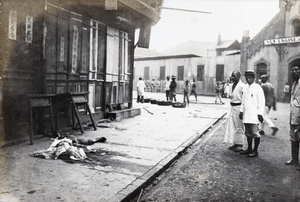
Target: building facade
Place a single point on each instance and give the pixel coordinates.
(52, 47)
(205, 70)
(276, 48)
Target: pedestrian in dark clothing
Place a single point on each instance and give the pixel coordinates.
(186, 92)
(173, 86)
(270, 103)
(294, 117)
(193, 91)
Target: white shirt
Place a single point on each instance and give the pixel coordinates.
(167, 85)
(141, 87)
(236, 95)
(253, 103)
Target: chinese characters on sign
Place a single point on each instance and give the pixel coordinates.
(282, 40)
(84, 50)
(74, 49)
(62, 49)
(12, 32)
(28, 31)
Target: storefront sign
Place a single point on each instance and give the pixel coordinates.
(144, 37)
(282, 40)
(74, 49)
(12, 31)
(111, 5)
(62, 49)
(28, 31)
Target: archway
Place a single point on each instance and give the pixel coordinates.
(261, 69)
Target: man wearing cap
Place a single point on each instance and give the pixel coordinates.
(234, 132)
(251, 112)
(270, 102)
(173, 86)
(295, 117)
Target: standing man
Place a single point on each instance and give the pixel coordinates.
(270, 102)
(234, 133)
(251, 112)
(295, 117)
(173, 86)
(140, 90)
(193, 91)
(167, 88)
(186, 91)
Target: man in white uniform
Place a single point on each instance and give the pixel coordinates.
(251, 112)
(235, 133)
(140, 90)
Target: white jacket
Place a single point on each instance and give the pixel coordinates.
(253, 103)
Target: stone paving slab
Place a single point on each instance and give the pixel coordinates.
(136, 150)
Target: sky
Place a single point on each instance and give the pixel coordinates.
(229, 18)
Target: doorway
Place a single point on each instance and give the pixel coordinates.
(261, 69)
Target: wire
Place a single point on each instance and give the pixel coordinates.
(186, 10)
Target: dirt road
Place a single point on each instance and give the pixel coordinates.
(211, 172)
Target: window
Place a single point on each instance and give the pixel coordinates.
(180, 73)
(261, 70)
(200, 72)
(124, 69)
(162, 73)
(113, 53)
(219, 72)
(296, 26)
(146, 73)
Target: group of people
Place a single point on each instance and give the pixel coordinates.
(188, 89)
(170, 88)
(250, 106)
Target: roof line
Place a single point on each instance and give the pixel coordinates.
(167, 57)
(266, 26)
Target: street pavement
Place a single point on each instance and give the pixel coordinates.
(136, 151)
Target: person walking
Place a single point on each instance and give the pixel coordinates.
(193, 91)
(234, 132)
(218, 91)
(270, 102)
(167, 88)
(173, 86)
(251, 112)
(186, 92)
(140, 90)
(286, 91)
(294, 117)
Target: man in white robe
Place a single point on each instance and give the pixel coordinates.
(235, 133)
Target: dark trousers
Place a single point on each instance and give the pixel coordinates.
(140, 98)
